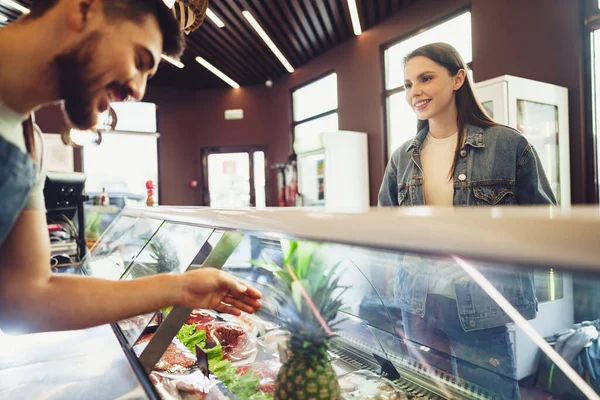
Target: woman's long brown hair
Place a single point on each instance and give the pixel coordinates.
(469, 109)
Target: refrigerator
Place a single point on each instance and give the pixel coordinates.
(333, 171)
(540, 112)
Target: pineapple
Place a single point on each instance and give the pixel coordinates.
(308, 304)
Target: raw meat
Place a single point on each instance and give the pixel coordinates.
(200, 317)
(235, 342)
(176, 359)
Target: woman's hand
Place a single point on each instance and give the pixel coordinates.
(212, 289)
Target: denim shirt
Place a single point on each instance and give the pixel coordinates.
(496, 166)
(17, 177)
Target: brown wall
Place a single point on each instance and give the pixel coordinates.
(190, 121)
(536, 39)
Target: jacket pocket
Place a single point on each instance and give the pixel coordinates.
(494, 195)
(403, 199)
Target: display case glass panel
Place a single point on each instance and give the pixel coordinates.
(119, 246)
(429, 323)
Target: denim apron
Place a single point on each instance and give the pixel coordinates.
(17, 176)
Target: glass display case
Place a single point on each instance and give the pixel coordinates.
(416, 303)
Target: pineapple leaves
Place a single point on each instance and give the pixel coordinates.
(308, 291)
(297, 294)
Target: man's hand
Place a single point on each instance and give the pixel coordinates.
(212, 289)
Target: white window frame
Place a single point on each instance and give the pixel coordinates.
(315, 116)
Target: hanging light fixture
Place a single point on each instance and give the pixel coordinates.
(189, 13)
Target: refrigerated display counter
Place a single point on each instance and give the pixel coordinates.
(416, 303)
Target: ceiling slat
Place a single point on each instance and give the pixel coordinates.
(290, 17)
(328, 22)
(305, 25)
(366, 10)
(310, 9)
(382, 11)
(345, 13)
(243, 33)
(279, 33)
(216, 57)
(339, 24)
(233, 49)
(281, 13)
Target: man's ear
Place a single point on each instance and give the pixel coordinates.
(78, 13)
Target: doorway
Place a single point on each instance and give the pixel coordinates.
(234, 177)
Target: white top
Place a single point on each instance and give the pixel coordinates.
(437, 156)
(11, 129)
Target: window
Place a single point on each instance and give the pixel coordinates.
(122, 164)
(135, 116)
(125, 161)
(401, 120)
(314, 108)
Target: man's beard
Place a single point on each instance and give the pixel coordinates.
(77, 82)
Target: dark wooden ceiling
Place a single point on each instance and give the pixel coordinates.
(302, 29)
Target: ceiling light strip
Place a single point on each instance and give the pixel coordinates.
(354, 16)
(3, 18)
(217, 72)
(16, 6)
(173, 61)
(263, 35)
(213, 17)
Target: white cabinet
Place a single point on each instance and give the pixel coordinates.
(540, 112)
(333, 170)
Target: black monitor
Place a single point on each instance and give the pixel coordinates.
(64, 197)
(62, 192)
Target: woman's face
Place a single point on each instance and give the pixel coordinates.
(430, 89)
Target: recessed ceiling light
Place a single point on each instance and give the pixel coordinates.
(169, 3)
(214, 18)
(354, 16)
(173, 61)
(263, 35)
(16, 6)
(217, 72)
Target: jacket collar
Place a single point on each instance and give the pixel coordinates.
(474, 137)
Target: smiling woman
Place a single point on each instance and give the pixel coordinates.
(459, 157)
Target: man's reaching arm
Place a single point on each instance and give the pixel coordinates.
(32, 299)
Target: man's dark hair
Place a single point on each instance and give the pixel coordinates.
(132, 10)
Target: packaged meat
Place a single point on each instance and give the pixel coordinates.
(266, 371)
(368, 385)
(165, 388)
(235, 342)
(245, 321)
(177, 358)
(200, 317)
(174, 389)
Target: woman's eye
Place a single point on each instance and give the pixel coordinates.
(426, 79)
(407, 85)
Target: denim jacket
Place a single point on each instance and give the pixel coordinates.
(17, 177)
(496, 166)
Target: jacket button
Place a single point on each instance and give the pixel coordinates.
(472, 323)
(462, 177)
(463, 153)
